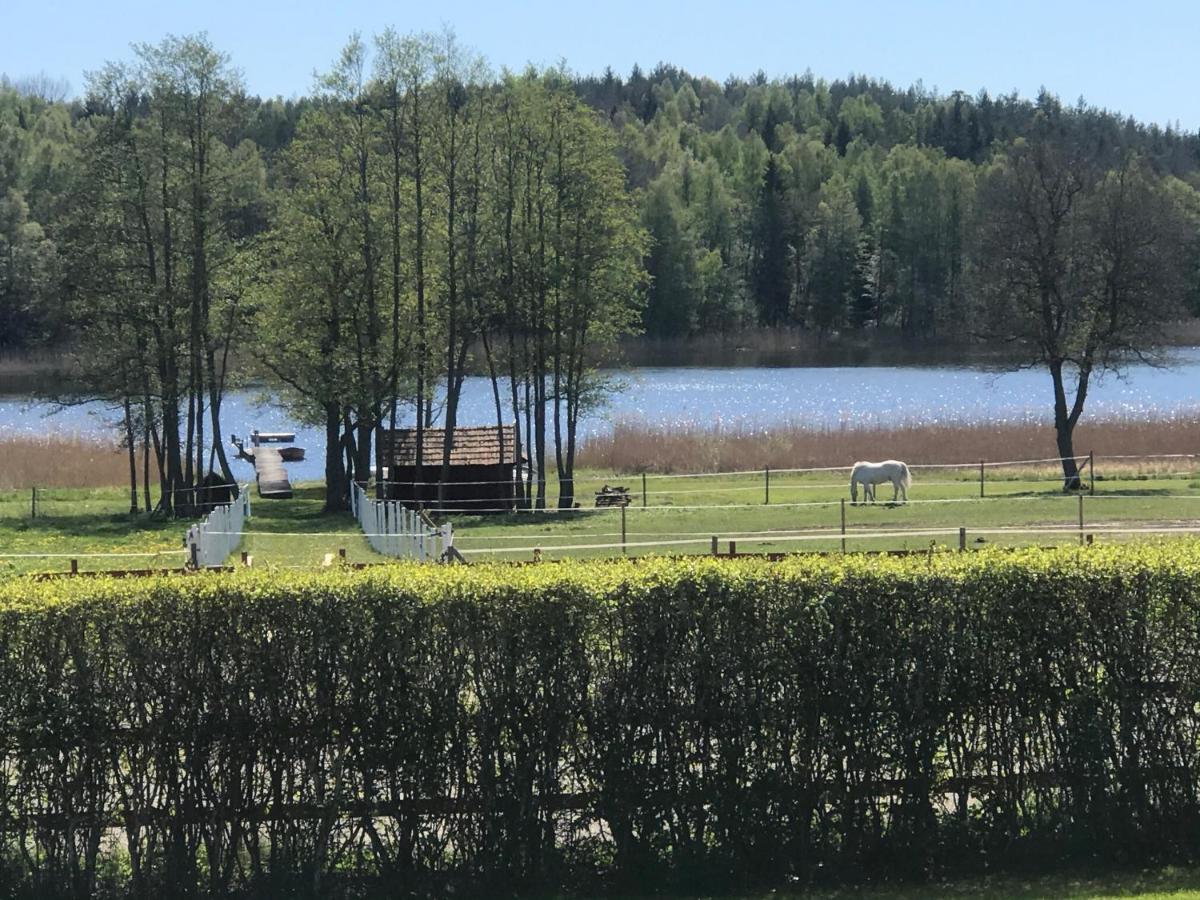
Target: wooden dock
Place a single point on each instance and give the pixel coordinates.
(273, 483)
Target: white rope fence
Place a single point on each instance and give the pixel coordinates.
(832, 535)
(394, 530)
(210, 541)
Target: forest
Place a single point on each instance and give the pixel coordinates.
(418, 216)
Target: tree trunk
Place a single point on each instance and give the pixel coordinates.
(335, 472)
(1064, 424)
(362, 452)
(131, 443)
(491, 364)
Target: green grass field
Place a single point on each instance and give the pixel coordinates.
(805, 513)
(1161, 884)
(680, 515)
(75, 523)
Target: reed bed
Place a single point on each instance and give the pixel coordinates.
(63, 461)
(637, 447)
(73, 461)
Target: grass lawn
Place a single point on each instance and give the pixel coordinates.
(811, 504)
(1173, 883)
(688, 511)
(74, 523)
(1158, 884)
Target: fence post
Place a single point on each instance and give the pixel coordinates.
(766, 485)
(624, 549)
(732, 549)
(1091, 471)
(33, 504)
(643, 490)
(962, 539)
(74, 567)
(843, 524)
(715, 551)
(1081, 520)
(981, 478)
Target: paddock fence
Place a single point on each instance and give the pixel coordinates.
(394, 530)
(759, 512)
(211, 540)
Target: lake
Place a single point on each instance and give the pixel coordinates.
(817, 397)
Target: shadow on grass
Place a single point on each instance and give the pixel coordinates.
(303, 512)
(531, 517)
(94, 525)
(1169, 882)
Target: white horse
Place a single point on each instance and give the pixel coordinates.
(869, 474)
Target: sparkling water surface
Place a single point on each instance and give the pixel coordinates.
(819, 398)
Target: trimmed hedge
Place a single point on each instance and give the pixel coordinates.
(411, 730)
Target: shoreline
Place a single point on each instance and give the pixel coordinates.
(34, 372)
(78, 461)
(633, 447)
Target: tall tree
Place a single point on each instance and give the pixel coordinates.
(1079, 269)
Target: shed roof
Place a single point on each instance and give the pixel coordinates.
(479, 446)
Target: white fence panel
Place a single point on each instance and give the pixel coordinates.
(394, 530)
(210, 541)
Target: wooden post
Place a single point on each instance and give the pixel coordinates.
(1081, 520)
(1091, 471)
(715, 551)
(33, 504)
(74, 567)
(643, 490)
(962, 539)
(195, 560)
(342, 554)
(766, 485)
(245, 557)
(843, 524)
(981, 478)
(732, 549)
(624, 549)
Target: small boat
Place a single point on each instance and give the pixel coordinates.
(291, 454)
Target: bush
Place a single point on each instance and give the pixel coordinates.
(659, 723)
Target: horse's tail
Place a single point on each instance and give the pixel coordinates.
(906, 476)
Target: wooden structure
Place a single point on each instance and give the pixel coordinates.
(271, 477)
(613, 496)
(483, 468)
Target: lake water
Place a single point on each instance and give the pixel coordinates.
(833, 397)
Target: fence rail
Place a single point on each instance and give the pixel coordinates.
(394, 530)
(210, 541)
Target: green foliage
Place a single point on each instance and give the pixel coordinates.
(661, 722)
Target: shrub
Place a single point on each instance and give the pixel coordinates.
(659, 722)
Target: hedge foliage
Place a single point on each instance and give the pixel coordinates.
(661, 723)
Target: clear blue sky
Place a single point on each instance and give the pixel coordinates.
(1137, 58)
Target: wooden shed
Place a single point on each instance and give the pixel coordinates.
(483, 468)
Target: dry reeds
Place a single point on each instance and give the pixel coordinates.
(635, 447)
(63, 461)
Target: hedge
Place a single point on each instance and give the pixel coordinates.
(411, 731)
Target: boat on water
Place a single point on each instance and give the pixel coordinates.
(287, 454)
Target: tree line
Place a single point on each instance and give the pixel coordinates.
(418, 216)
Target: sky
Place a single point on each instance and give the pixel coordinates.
(1135, 58)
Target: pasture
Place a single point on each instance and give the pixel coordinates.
(94, 527)
(759, 511)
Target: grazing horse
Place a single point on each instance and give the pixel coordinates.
(869, 474)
